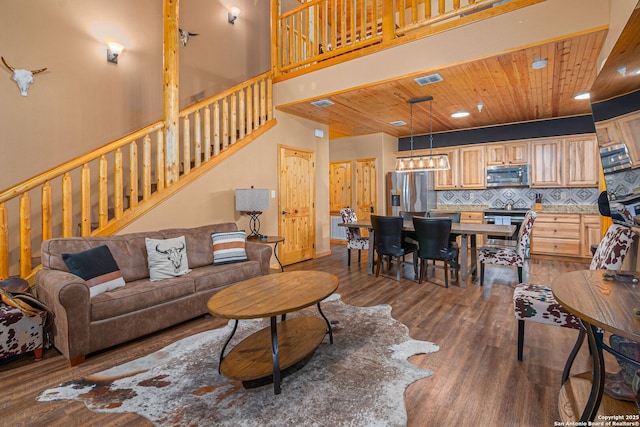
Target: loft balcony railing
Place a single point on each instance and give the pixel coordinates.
(320, 33)
(100, 192)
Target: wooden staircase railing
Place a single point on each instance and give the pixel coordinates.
(100, 192)
(319, 33)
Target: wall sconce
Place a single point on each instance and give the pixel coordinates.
(234, 12)
(113, 50)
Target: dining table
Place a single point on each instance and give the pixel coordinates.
(466, 231)
(604, 301)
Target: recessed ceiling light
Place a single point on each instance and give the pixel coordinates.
(459, 114)
(322, 103)
(538, 63)
(398, 123)
(581, 95)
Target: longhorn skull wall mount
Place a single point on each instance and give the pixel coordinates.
(23, 78)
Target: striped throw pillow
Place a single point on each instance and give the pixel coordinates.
(229, 247)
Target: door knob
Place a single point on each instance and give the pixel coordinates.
(284, 212)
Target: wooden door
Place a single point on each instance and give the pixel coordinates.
(339, 185)
(296, 204)
(366, 189)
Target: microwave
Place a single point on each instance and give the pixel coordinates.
(508, 176)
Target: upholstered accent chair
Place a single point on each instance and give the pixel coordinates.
(506, 255)
(433, 244)
(354, 239)
(389, 242)
(536, 302)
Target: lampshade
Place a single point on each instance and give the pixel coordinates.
(430, 162)
(252, 199)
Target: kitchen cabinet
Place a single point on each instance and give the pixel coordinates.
(472, 167)
(466, 168)
(590, 234)
(546, 162)
(630, 131)
(473, 218)
(582, 162)
(565, 234)
(568, 162)
(508, 153)
(448, 179)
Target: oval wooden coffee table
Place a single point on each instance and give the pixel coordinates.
(273, 349)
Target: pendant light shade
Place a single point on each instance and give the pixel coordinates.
(430, 162)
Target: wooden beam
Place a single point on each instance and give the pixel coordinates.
(170, 84)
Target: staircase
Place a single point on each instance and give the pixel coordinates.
(101, 192)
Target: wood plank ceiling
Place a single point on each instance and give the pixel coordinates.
(509, 89)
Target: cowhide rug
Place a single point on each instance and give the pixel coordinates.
(360, 380)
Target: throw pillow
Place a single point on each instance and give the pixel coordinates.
(97, 267)
(167, 258)
(229, 247)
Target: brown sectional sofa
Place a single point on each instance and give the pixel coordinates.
(83, 325)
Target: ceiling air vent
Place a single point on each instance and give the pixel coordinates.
(431, 78)
(398, 123)
(322, 103)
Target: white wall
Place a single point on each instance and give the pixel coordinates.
(211, 198)
(82, 102)
(379, 146)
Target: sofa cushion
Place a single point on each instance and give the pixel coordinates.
(167, 258)
(139, 295)
(216, 276)
(229, 247)
(97, 268)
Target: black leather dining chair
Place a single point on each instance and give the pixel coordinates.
(388, 241)
(453, 243)
(433, 244)
(407, 217)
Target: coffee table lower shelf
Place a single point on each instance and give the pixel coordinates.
(251, 359)
(575, 393)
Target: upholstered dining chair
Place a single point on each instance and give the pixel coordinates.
(354, 239)
(536, 302)
(389, 242)
(506, 255)
(433, 244)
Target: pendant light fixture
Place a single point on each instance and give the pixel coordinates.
(430, 162)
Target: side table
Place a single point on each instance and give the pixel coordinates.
(268, 240)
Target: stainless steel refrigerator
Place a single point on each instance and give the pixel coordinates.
(410, 191)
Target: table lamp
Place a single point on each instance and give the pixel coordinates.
(252, 201)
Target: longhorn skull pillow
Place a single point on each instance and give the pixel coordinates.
(167, 258)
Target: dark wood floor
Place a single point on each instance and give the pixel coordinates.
(477, 382)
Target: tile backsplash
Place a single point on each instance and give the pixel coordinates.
(521, 198)
(623, 183)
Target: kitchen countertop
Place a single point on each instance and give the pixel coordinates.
(552, 209)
